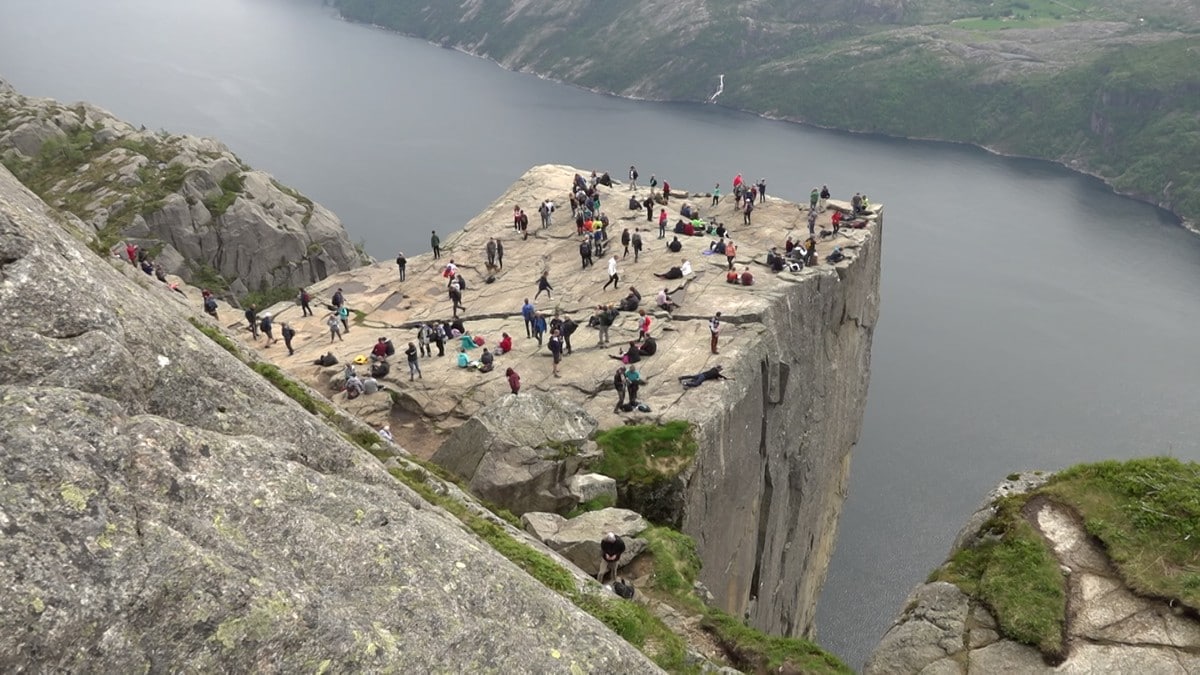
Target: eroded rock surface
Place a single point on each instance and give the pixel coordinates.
(163, 508)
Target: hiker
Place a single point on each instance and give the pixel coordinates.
(812, 221)
(414, 368)
(401, 263)
(539, 327)
(514, 381)
(252, 319)
(544, 211)
(436, 243)
(662, 223)
(675, 246)
(523, 221)
(644, 322)
(664, 301)
(619, 387)
(836, 219)
(681, 272)
(267, 326)
(746, 209)
(714, 329)
(813, 198)
(611, 548)
(424, 335)
(567, 329)
(649, 206)
(698, 379)
(636, 241)
(730, 252)
(653, 183)
(338, 299)
(824, 198)
(527, 313)
(585, 252)
(380, 351)
(613, 277)
(343, 314)
(210, 304)
(288, 333)
(543, 284)
(335, 330)
(305, 308)
(439, 338)
(762, 190)
(556, 351)
(491, 252)
(625, 242)
(131, 252)
(666, 192)
(716, 194)
(633, 382)
(386, 434)
(500, 253)
(455, 299)
(633, 176)
(604, 321)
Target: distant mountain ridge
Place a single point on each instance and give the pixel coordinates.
(1108, 87)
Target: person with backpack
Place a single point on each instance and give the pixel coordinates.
(252, 319)
(455, 298)
(288, 333)
(604, 321)
(539, 327)
(644, 321)
(210, 304)
(305, 298)
(544, 212)
(490, 249)
(343, 314)
(611, 549)
(527, 313)
(585, 252)
(568, 327)
(401, 264)
(414, 368)
(619, 387)
(267, 327)
(338, 299)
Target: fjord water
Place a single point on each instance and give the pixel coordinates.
(1030, 318)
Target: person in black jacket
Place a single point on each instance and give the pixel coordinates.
(611, 548)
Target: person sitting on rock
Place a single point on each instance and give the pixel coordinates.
(746, 277)
(505, 345)
(354, 387)
(732, 277)
(379, 351)
(486, 361)
(611, 549)
(631, 354)
(664, 300)
(675, 246)
(717, 246)
(463, 359)
(775, 261)
(648, 347)
(700, 378)
(631, 301)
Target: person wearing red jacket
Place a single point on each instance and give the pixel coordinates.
(514, 380)
(505, 344)
(379, 351)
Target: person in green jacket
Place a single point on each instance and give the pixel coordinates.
(436, 242)
(716, 194)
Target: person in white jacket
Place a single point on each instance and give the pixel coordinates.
(613, 277)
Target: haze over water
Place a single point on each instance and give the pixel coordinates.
(1030, 318)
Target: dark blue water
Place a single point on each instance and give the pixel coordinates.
(1031, 319)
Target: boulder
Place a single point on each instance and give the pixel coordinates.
(542, 525)
(588, 486)
(519, 451)
(578, 539)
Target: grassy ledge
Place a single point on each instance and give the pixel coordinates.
(1146, 514)
(646, 453)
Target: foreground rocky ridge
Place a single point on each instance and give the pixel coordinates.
(764, 492)
(190, 202)
(164, 507)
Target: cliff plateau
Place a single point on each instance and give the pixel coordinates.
(764, 492)
(162, 507)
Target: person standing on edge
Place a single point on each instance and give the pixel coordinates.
(613, 278)
(762, 190)
(288, 333)
(649, 204)
(305, 298)
(813, 198)
(491, 252)
(543, 284)
(716, 194)
(527, 312)
(500, 253)
(401, 263)
(335, 330)
(714, 329)
(824, 197)
(611, 548)
(636, 241)
(666, 192)
(414, 368)
(662, 224)
(436, 242)
(619, 387)
(653, 184)
(514, 381)
(812, 221)
(632, 177)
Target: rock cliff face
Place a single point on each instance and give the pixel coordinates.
(190, 201)
(763, 496)
(163, 508)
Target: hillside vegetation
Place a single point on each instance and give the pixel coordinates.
(1104, 86)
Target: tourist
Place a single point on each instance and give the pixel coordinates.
(386, 434)
(613, 277)
(491, 252)
(288, 333)
(824, 197)
(338, 299)
(813, 198)
(716, 194)
(455, 298)
(414, 368)
(380, 351)
(556, 351)
(747, 278)
(625, 242)
(343, 314)
(539, 327)
(401, 264)
(514, 381)
(335, 329)
(644, 322)
(436, 242)
(604, 320)
(611, 548)
(746, 209)
(424, 336)
(585, 252)
(619, 387)
(698, 379)
(505, 345)
(567, 329)
(305, 299)
(762, 190)
(252, 319)
(636, 241)
(675, 246)
(500, 253)
(543, 284)
(714, 329)
(662, 223)
(812, 221)
(633, 382)
(266, 326)
(664, 301)
(527, 313)
(633, 176)
(730, 252)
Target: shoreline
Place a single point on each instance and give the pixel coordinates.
(1180, 220)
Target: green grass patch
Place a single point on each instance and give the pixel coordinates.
(265, 297)
(1147, 514)
(676, 564)
(216, 336)
(1013, 571)
(754, 651)
(294, 391)
(646, 453)
(601, 502)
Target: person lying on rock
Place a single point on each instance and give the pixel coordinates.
(683, 270)
(611, 549)
(700, 378)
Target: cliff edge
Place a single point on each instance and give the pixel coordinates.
(765, 489)
(165, 508)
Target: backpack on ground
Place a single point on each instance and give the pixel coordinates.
(391, 348)
(623, 588)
